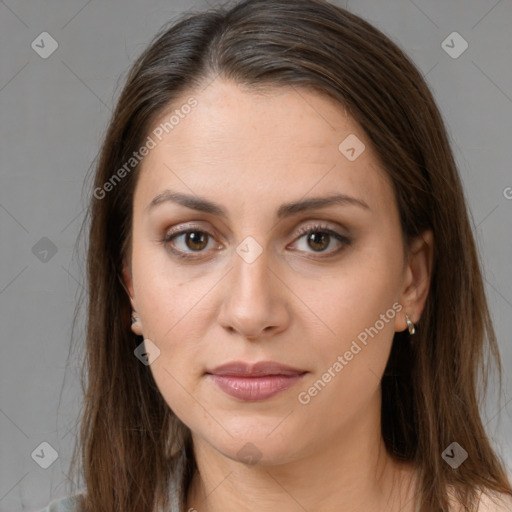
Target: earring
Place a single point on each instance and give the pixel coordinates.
(136, 326)
(410, 325)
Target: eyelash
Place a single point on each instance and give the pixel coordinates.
(316, 228)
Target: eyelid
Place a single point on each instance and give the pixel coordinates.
(304, 228)
(182, 229)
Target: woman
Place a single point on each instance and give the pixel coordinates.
(286, 309)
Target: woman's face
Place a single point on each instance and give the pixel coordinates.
(249, 285)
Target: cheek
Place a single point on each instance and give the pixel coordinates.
(172, 313)
(164, 297)
(353, 297)
(179, 391)
(357, 308)
(174, 317)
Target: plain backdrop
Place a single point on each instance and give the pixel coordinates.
(53, 113)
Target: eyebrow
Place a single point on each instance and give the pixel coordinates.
(285, 210)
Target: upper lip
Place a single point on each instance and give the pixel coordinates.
(261, 368)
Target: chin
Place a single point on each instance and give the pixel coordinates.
(255, 446)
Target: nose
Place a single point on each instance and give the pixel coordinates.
(254, 301)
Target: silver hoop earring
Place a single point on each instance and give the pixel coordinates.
(135, 319)
(410, 325)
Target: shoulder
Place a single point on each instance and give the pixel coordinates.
(489, 501)
(494, 502)
(69, 504)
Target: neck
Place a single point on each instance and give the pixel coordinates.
(351, 472)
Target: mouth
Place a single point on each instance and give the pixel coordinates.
(254, 382)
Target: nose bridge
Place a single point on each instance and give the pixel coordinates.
(251, 272)
(251, 275)
(250, 304)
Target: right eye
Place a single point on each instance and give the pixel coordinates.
(192, 241)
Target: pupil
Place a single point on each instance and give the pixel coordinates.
(313, 237)
(196, 238)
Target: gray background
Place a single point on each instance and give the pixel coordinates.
(53, 114)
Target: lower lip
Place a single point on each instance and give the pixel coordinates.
(254, 388)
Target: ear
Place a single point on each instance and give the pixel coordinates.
(128, 285)
(128, 282)
(418, 275)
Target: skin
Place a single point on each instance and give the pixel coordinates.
(298, 303)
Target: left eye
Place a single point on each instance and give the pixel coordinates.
(317, 238)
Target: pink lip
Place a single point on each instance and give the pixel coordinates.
(254, 382)
(261, 368)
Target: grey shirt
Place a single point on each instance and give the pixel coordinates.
(68, 504)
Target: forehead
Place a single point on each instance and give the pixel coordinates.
(245, 145)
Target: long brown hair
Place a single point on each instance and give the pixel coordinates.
(131, 445)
